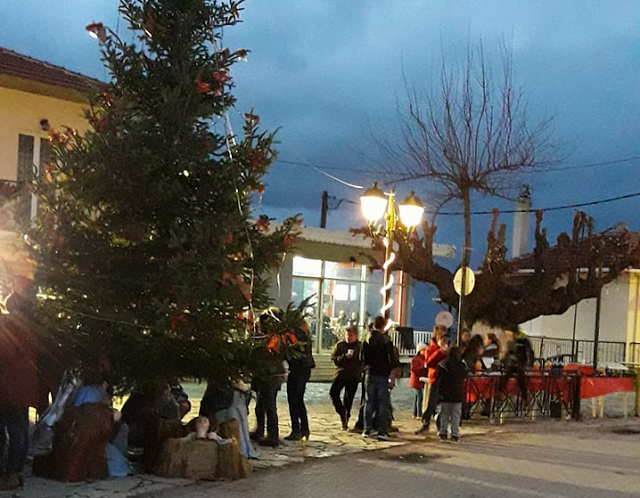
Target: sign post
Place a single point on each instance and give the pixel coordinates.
(463, 282)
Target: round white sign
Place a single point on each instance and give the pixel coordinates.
(444, 318)
(469, 284)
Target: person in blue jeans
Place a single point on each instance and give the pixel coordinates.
(379, 360)
(450, 378)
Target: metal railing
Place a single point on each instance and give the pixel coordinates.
(633, 352)
(418, 337)
(580, 350)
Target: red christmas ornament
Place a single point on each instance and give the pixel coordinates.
(96, 30)
(228, 239)
(252, 118)
(202, 87)
(221, 77)
(235, 12)
(108, 97)
(178, 320)
(263, 223)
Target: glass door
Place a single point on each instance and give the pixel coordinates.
(302, 288)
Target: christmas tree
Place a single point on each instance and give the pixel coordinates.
(147, 255)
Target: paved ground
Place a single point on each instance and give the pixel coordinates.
(548, 460)
(483, 449)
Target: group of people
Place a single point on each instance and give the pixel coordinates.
(444, 367)
(373, 363)
(376, 364)
(296, 350)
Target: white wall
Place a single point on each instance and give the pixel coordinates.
(614, 316)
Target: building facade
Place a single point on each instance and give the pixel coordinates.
(35, 97)
(334, 270)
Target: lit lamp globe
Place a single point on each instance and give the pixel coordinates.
(373, 203)
(411, 211)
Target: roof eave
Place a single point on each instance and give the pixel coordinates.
(38, 88)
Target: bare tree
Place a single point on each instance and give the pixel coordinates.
(472, 135)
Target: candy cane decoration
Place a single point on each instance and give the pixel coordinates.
(385, 290)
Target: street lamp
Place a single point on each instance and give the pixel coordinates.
(374, 203)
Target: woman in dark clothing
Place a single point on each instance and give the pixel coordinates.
(300, 360)
(491, 353)
(473, 354)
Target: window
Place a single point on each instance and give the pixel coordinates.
(26, 145)
(345, 294)
(28, 148)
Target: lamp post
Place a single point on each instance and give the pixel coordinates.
(374, 203)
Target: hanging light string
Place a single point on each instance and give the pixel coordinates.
(230, 141)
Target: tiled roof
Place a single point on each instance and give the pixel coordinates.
(21, 66)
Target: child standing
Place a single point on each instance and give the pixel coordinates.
(418, 369)
(450, 376)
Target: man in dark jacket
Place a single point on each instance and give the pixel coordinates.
(346, 356)
(519, 357)
(379, 360)
(450, 377)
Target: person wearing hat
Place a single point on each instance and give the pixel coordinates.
(418, 369)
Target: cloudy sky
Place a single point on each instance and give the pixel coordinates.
(328, 71)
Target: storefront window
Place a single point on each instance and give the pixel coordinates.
(303, 267)
(342, 271)
(350, 296)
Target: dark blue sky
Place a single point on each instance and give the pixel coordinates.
(328, 71)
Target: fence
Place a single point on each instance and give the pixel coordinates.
(580, 351)
(634, 352)
(404, 346)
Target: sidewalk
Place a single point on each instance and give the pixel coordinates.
(327, 439)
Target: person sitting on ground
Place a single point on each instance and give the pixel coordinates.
(222, 403)
(451, 374)
(418, 371)
(346, 357)
(434, 354)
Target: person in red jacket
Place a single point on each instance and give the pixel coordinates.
(418, 369)
(18, 386)
(434, 354)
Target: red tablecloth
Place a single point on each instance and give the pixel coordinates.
(485, 387)
(591, 387)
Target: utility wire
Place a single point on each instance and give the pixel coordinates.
(459, 213)
(361, 170)
(555, 208)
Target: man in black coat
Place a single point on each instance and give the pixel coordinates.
(346, 356)
(379, 360)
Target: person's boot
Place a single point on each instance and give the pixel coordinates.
(271, 441)
(294, 436)
(423, 428)
(256, 435)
